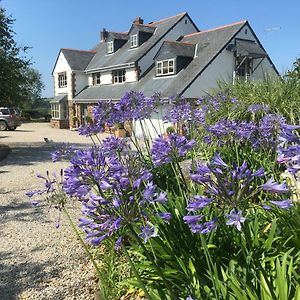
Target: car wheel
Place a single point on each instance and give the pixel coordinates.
(3, 125)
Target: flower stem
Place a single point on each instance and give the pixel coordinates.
(102, 283)
(136, 273)
(158, 269)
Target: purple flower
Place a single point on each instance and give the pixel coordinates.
(118, 243)
(235, 218)
(165, 150)
(165, 216)
(259, 173)
(147, 232)
(189, 297)
(266, 207)
(274, 187)
(284, 204)
(199, 203)
(218, 161)
(204, 228)
(192, 219)
(63, 151)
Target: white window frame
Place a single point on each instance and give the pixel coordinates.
(119, 76)
(110, 47)
(133, 41)
(165, 67)
(96, 78)
(62, 80)
(55, 111)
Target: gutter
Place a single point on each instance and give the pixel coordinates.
(115, 67)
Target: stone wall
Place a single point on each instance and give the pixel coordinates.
(59, 124)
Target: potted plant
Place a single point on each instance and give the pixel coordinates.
(169, 130)
(120, 130)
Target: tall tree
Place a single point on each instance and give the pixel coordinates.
(19, 83)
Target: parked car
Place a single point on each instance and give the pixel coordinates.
(10, 118)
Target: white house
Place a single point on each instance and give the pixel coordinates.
(171, 56)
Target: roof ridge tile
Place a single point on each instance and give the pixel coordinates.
(70, 49)
(214, 29)
(166, 19)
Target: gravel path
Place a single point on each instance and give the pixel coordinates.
(37, 261)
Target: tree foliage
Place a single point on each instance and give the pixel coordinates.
(20, 84)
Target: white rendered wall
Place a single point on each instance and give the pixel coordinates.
(156, 127)
(90, 79)
(180, 29)
(130, 75)
(60, 67)
(106, 78)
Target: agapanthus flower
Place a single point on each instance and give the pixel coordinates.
(204, 228)
(284, 204)
(198, 203)
(236, 219)
(253, 108)
(115, 190)
(136, 106)
(181, 111)
(174, 146)
(274, 187)
(290, 157)
(148, 232)
(62, 151)
(165, 216)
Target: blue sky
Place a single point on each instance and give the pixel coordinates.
(48, 25)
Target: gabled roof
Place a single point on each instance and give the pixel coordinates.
(210, 44)
(177, 49)
(118, 35)
(126, 55)
(78, 59)
(142, 27)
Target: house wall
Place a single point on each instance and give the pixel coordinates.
(81, 81)
(106, 77)
(222, 67)
(131, 75)
(180, 29)
(60, 67)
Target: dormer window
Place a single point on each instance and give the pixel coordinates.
(96, 78)
(133, 40)
(165, 67)
(110, 47)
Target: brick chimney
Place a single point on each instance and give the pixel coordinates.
(138, 21)
(104, 35)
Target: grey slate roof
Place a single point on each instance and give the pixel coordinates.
(176, 49)
(118, 35)
(59, 98)
(78, 59)
(143, 28)
(210, 43)
(125, 54)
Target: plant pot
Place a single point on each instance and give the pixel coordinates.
(120, 132)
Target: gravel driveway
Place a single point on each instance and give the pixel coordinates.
(37, 261)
